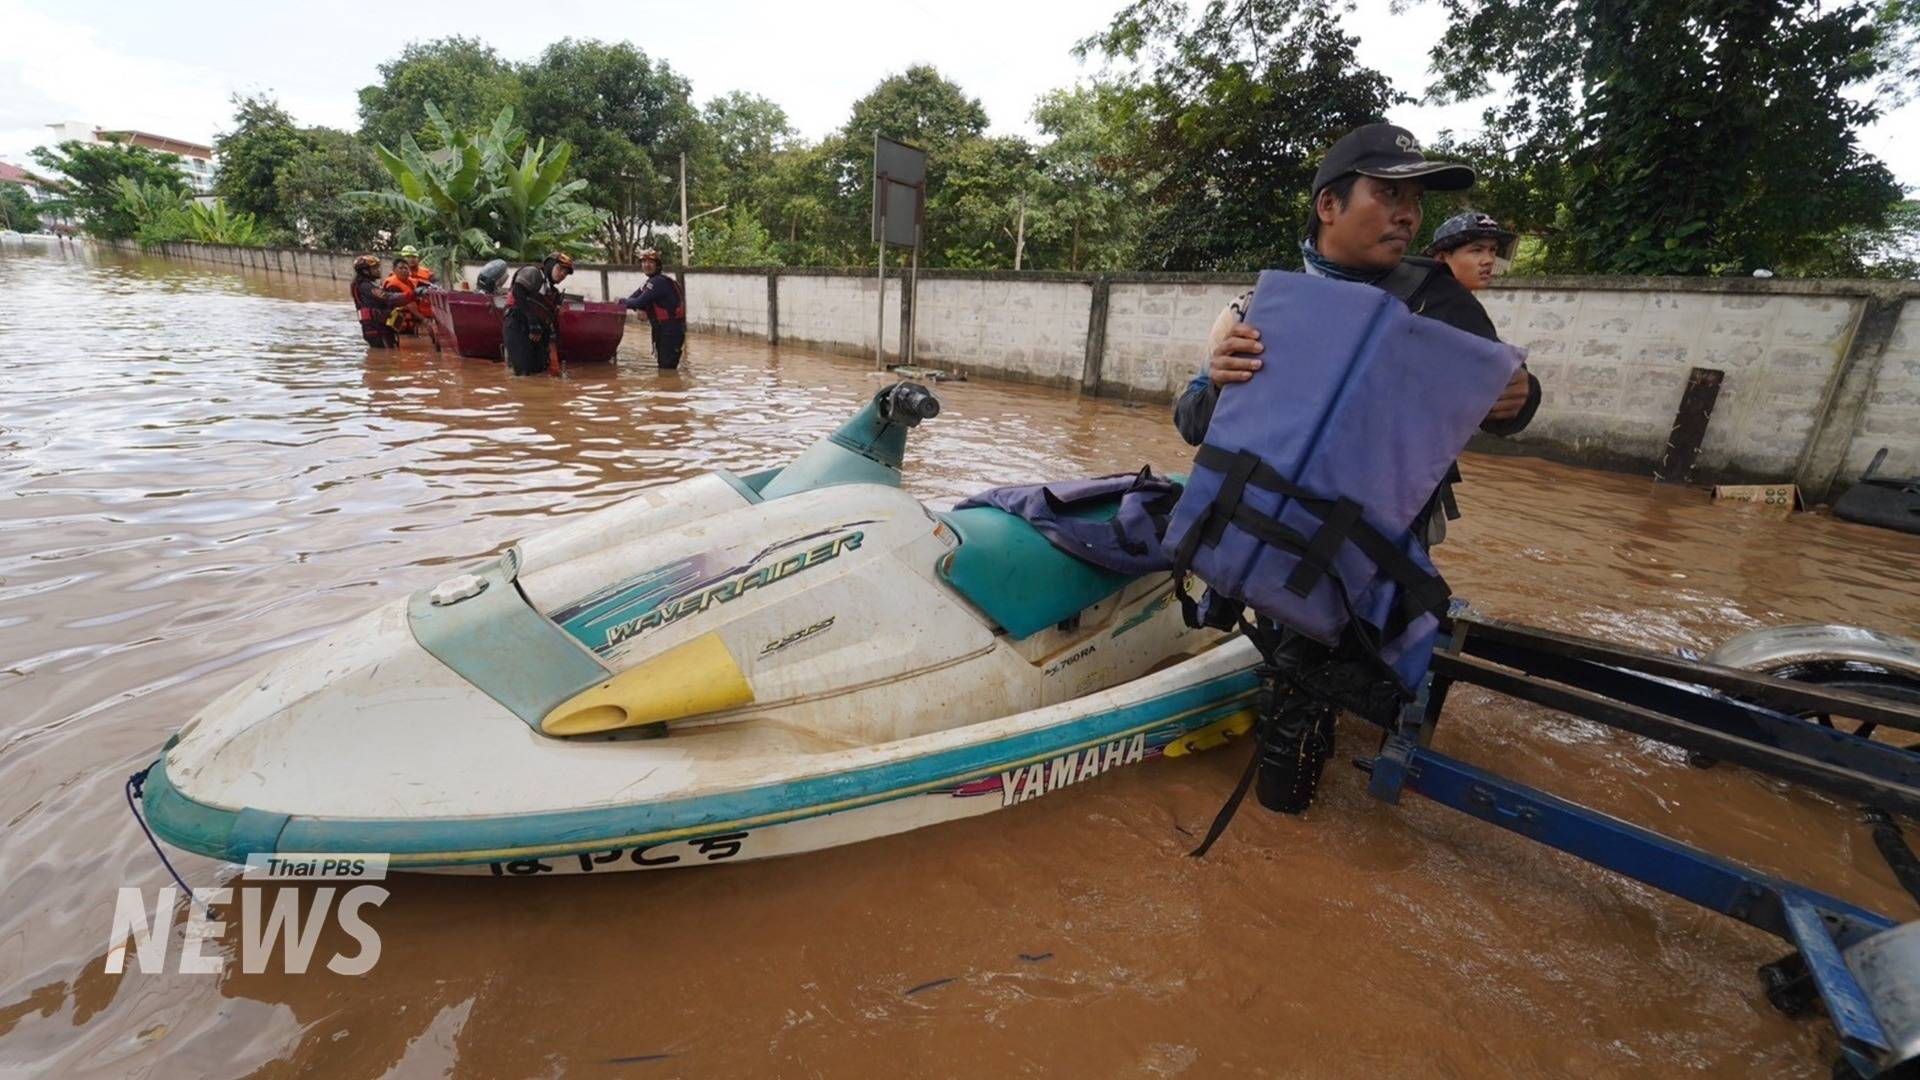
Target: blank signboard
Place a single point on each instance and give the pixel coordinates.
(905, 170)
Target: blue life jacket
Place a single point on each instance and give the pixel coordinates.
(1304, 493)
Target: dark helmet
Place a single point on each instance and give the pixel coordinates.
(653, 254)
(366, 265)
(558, 258)
(1468, 227)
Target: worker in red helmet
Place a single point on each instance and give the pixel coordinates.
(374, 303)
(665, 307)
(533, 313)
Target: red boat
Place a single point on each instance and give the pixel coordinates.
(590, 331)
(470, 321)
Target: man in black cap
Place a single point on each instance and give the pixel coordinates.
(1472, 245)
(1366, 212)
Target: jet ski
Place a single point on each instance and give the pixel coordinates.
(721, 669)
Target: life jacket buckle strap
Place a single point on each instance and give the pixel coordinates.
(1315, 562)
(1226, 504)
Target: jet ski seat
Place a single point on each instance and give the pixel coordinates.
(1006, 568)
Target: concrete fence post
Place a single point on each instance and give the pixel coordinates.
(1846, 397)
(773, 307)
(906, 315)
(1096, 358)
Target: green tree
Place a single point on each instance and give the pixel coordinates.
(992, 198)
(735, 238)
(1698, 136)
(87, 177)
(463, 72)
(1898, 23)
(212, 223)
(1098, 196)
(263, 144)
(795, 195)
(17, 209)
(1891, 251)
(311, 191)
(484, 194)
(919, 107)
(742, 135)
(1231, 111)
(629, 117)
(158, 210)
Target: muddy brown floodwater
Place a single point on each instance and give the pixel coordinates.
(199, 470)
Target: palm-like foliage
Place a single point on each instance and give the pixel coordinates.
(211, 223)
(473, 199)
(162, 214)
(148, 201)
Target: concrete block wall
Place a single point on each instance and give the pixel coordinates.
(1613, 363)
(1032, 331)
(620, 281)
(728, 303)
(1818, 374)
(1157, 334)
(1892, 414)
(836, 311)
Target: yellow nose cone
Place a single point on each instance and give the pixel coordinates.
(687, 680)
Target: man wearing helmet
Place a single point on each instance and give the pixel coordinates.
(659, 297)
(533, 313)
(421, 279)
(1471, 244)
(374, 303)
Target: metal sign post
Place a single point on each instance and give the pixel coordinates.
(880, 321)
(913, 295)
(898, 170)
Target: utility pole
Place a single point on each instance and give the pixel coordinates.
(686, 237)
(1020, 238)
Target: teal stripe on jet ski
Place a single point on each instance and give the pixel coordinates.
(218, 833)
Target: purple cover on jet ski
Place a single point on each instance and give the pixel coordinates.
(1360, 399)
(1128, 543)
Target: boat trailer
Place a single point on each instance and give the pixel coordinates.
(1861, 966)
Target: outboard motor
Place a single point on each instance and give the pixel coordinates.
(491, 277)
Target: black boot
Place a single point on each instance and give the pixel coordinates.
(1296, 741)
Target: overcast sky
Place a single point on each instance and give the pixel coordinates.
(171, 69)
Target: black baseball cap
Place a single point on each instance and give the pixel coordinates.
(1387, 152)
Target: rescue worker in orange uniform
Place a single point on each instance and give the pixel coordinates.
(405, 318)
(374, 303)
(422, 278)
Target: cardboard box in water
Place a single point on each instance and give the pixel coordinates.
(1782, 499)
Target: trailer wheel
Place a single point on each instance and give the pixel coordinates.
(1841, 657)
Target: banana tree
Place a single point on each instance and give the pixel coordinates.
(538, 213)
(473, 199)
(212, 223)
(442, 197)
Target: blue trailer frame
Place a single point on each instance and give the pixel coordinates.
(1862, 966)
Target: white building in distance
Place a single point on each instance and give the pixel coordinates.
(195, 160)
